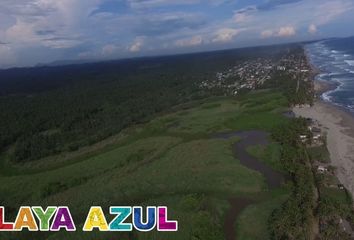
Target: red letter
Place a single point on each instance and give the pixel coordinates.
(3, 225)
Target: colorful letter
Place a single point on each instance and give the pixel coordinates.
(44, 216)
(4, 226)
(63, 219)
(150, 222)
(95, 219)
(25, 219)
(164, 225)
(117, 223)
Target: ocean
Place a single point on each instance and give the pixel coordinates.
(335, 59)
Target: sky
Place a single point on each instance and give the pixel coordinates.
(43, 31)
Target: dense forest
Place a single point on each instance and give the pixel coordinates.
(288, 222)
(48, 110)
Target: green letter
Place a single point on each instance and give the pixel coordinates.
(44, 216)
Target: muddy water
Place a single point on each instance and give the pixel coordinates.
(273, 178)
(237, 205)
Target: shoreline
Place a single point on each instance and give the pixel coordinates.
(338, 125)
(321, 87)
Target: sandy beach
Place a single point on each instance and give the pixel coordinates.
(339, 128)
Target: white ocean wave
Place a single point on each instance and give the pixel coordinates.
(335, 74)
(321, 75)
(340, 64)
(336, 67)
(326, 97)
(350, 62)
(349, 70)
(340, 82)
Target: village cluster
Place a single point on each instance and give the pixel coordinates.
(245, 75)
(314, 138)
(253, 74)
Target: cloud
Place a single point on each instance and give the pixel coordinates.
(45, 30)
(47, 22)
(312, 29)
(330, 10)
(146, 4)
(162, 23)
(267, 6)
(21, 32)
(287, 31)
(248, 9)
(110, 49)
(268, 20)
(225, 35)
(137, 45)
(241, 17)
(60, 43)
(189, 42)
(219, 2)
(271, 4)
(26, 8)
(7, 58)
(266, 33)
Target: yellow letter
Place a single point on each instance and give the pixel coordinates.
(95, 219)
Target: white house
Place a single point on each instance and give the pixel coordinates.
(321, 169)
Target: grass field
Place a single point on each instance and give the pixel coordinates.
(319, 153)
(253, 222)
(172, 160)
(269, 154)
(336, 195)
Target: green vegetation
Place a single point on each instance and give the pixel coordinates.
(269, 154)
(319, 153)
(335, 206)
(294, 219)
(51, 110)
(171, 160)
(253, 222)
(145, 137)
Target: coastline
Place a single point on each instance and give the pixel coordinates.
(338, 125)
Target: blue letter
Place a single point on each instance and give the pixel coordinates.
(122, 214)
(138, 221)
